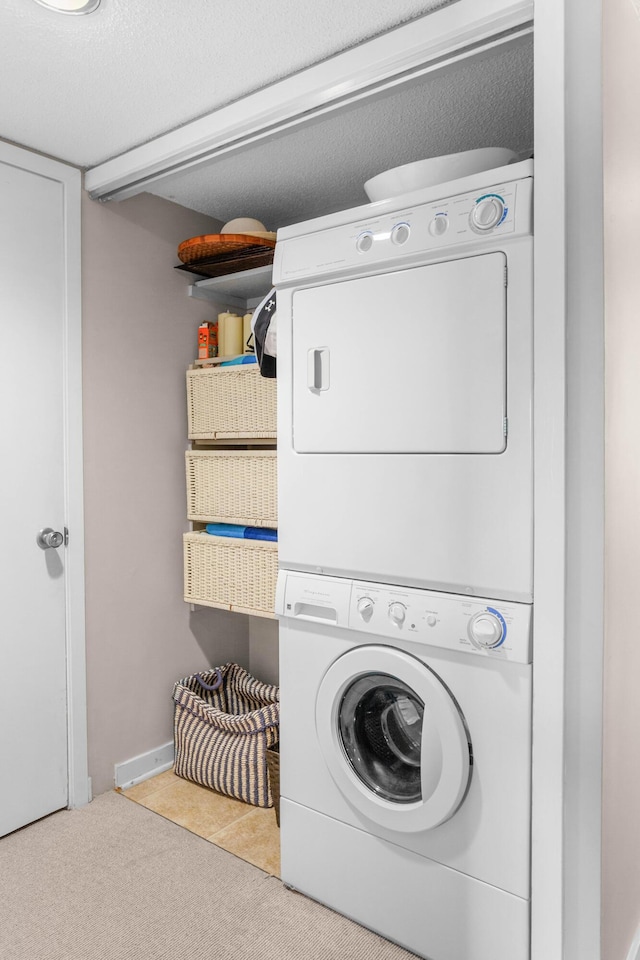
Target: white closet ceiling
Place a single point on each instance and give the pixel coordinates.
(321, 167)
(87, 88)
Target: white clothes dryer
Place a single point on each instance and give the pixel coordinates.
(405, 389)
(406, 762)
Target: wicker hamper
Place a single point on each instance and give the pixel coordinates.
(230, 403)
(224, 722)
(232, 486)
(273, 766)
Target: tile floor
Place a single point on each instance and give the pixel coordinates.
(250, 833)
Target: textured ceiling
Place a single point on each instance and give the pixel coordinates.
(322, 166)
(85, 89)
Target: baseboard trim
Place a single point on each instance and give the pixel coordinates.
(146, 765)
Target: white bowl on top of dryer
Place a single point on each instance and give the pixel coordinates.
(405, 757)
(434, 170)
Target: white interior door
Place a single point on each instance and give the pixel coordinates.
(34, 296)
(406, 362)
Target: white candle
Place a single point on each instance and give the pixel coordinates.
(232, 334)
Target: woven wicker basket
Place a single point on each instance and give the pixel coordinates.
(230, 574)
(273, 766)
(224, 722)
(230, 402)
(232, 486)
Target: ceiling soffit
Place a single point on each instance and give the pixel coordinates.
(423, 46)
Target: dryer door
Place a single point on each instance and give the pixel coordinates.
(393, 738)
(407, 362)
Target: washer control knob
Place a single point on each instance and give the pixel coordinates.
(486, 630)
(365, 608)
(397, 613)
(364, 242)
(432, 620)
(487, 213)
(439, 225)
(400, 233)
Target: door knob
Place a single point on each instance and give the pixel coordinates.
(49, 538)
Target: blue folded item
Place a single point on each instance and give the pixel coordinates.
(260, 533)
(226, 530)
(242, 533)
(244, 358)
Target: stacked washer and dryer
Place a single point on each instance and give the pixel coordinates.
(405, 370)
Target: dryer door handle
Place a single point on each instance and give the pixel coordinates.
(318, 369)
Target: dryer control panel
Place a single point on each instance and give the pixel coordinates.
(420, 231)
(487, 628)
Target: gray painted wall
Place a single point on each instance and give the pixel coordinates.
(263, 649)
(621, 794)
(139, 335)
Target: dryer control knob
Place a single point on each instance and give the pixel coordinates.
(397, 613)
(364, 241)
(439, 225)
(365, 608)
(400, 233)
(487, 213)
(485, 630)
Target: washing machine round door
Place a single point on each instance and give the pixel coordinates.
(394, 738)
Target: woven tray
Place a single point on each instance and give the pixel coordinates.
(232, 486)
(230, 403)
(234, 262)
(213, 244)
(230, 574)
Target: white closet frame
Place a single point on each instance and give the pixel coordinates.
(569, 481)
(569, 396)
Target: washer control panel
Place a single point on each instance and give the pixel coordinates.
(486, 628)
(494, 628)
(423, 229)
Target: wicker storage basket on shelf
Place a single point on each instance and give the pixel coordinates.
(224, 722)
(231, 574)
(230, 403)
(232, 486)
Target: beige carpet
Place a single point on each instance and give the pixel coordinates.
(115, 881)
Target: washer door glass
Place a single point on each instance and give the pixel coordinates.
(380, 723)
(393, 737)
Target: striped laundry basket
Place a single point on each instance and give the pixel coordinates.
(224, 722)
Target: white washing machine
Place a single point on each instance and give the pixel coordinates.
(405, 389)
(406, 762)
